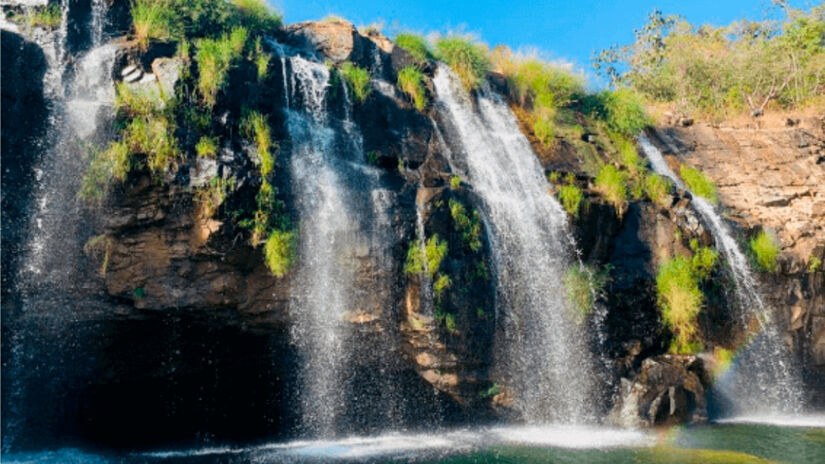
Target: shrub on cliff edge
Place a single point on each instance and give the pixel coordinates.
(466, 58)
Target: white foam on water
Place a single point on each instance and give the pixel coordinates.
(789, 420)
(575, 436)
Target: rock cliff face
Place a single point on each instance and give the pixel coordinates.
(771, 175)
(184, 334)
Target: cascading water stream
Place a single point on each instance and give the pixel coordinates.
(762, 380)
(344, 226)
(540, 354)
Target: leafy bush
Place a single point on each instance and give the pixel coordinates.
(765, 250)
(699, 184)
(257, 15)
(215, 57)
(153, 20)
(357, 79)
(571, 198)
(416, 46)
(722, 71)
(612, 184)
(624, 112)
(280, 251)
(584, 285)
(467, 59)
(814, 264)
(427, 260)
(455, 182)
(256, 128)
(411, 82)
(468, 226)
(207, 147)
(658, 189)
(106, 167)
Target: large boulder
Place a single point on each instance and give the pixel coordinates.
(668, 390)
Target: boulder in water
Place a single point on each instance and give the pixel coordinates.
(668, 390)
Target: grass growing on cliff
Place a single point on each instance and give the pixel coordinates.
(764, 250)
(571, 198)
(135, 102)
(416, 46)
(47, 17)
(255, 127)
(612, 184)
(280, 251)
(105, 167)
(466, 58)
(153, 20)
(215, 57)
(658, 189)
(699, 184)
(680, 297)
(583, 285)
(213, 195)
(261, 60)
(469, 226)
(154, 137)
(257, 15)
(427, 259)
(207, 147)
(411, 81)
(357, 80)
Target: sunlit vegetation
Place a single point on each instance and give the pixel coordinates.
(571, 197)
(207, 147)
(814, 264)
(255, 127)
(658, 189)
(455, 182)
(680, 296)
(280, 252)
(426, 260)
(257, 15)
(134, 102)
(153, 20)
(416, 46)
(764, 251)
(612, 184)
(747, 66)
(47, 16)
(468, 225)
(215, 57)
(584, 285)
(468, 59)
(261, 60)
(442, 283)
(411, 81)
(699, 184)
(357, 80)
(153, 137)
(106, 166)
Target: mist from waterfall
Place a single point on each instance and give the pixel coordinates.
(762, 380)
(540, 353)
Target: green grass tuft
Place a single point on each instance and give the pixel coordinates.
(467, 59)
(255, 127)
(257, 15)
(699, 184)
(455, 182)
(357, 79)
(215, 58)
(584, 285)
(765, 250)
(658, 189)
(106, 167)
(612, 184)
(137, 102)
(280, 252)
(47, 17)
(153, 20)
(416, 46)
(571, 198)
(207, 147)
(411, 82)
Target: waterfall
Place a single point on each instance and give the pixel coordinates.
(345, 233)
(762, 379)
(540, 354)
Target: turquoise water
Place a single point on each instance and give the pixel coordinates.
(721, 443)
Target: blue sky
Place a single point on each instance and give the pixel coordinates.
(564, 30)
